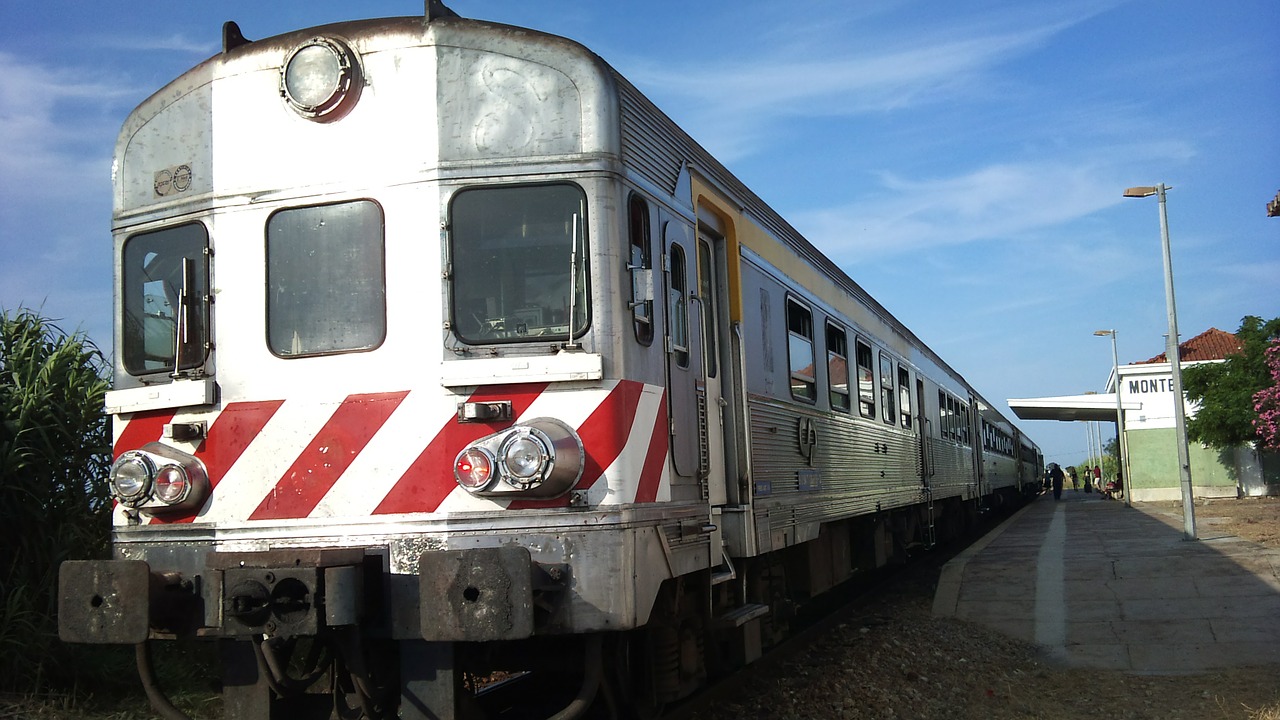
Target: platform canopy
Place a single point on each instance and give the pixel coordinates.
(1071, 408)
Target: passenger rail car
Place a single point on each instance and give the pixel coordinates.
(440, 352)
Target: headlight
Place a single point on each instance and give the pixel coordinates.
(159, 480)
(172, 484)
(540, 458)
(524, 456)
(321, 79)
(131, 477)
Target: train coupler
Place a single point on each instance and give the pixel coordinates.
(290, 593)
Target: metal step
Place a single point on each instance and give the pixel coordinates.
(723, 573)
(741, 615)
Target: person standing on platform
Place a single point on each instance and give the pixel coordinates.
(1097, 476)
(1055, 474)
(1075, 479)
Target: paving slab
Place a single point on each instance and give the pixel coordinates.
(1098, 584)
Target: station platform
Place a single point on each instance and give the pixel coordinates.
(1099, 585)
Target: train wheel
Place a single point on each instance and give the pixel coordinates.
(632, 673)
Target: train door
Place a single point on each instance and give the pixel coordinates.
(925, 428)
(973, 420)
(693, 359)
(711, 396)
(684, 351)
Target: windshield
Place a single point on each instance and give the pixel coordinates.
(165, 276)
(519, 263)
(326, 284)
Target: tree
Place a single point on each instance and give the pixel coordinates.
(1266, 402)
(1225, 391)
(1108, 463)
(55, 451)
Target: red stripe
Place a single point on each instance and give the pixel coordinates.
(142, 428)
(427, 481)
(656, 459)
(330, 453)
(231, 432)
(604, 434)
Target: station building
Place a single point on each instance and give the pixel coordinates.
(1148, 434)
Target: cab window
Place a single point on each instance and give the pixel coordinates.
(641, 298)
(165, 294)
(326, 286)
(519, 263)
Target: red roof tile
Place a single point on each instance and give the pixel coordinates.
(1212, 344)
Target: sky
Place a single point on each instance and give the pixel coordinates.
(963, 162)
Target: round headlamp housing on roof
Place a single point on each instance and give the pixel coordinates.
(321, 79)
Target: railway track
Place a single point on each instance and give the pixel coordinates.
(851, 602)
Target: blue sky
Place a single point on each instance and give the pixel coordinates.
(964, 162)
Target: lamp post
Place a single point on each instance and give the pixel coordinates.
(1175, 362)
(1121, 470)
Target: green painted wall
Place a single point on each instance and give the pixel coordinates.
(1153, 462)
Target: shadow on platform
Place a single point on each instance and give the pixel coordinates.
(1100, 585)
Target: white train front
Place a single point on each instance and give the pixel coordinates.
(440, 347)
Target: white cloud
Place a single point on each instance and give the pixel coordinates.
(55, 182)
(734, 100)
(45, 128)
(174, 42)
(1005, 201)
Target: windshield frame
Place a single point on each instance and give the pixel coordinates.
(494, 296)
(153, 260)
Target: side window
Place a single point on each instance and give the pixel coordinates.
(944, 428)
(678, 306)
(964, 418)
(947, 406)
(838, 368)
(887, 391)
(326, 286)
(165, 297)
(641, 259)
(866, 381)
(904, 397)
(800, 351)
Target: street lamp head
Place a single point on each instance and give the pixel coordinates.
(1104, 333)
(1141, 192)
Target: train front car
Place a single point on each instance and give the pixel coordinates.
(377, 383)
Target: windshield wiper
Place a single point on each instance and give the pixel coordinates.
(180, 339)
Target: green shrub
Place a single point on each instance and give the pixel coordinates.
(55, 451)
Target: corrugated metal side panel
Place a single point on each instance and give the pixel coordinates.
(953, 470)
(1001, 471)
(859, 468)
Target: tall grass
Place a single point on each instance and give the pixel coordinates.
(55, 451)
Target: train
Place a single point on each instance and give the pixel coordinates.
(444, 356)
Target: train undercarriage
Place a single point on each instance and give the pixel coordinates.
(315, 634)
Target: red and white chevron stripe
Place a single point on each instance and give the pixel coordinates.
(392, 453)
